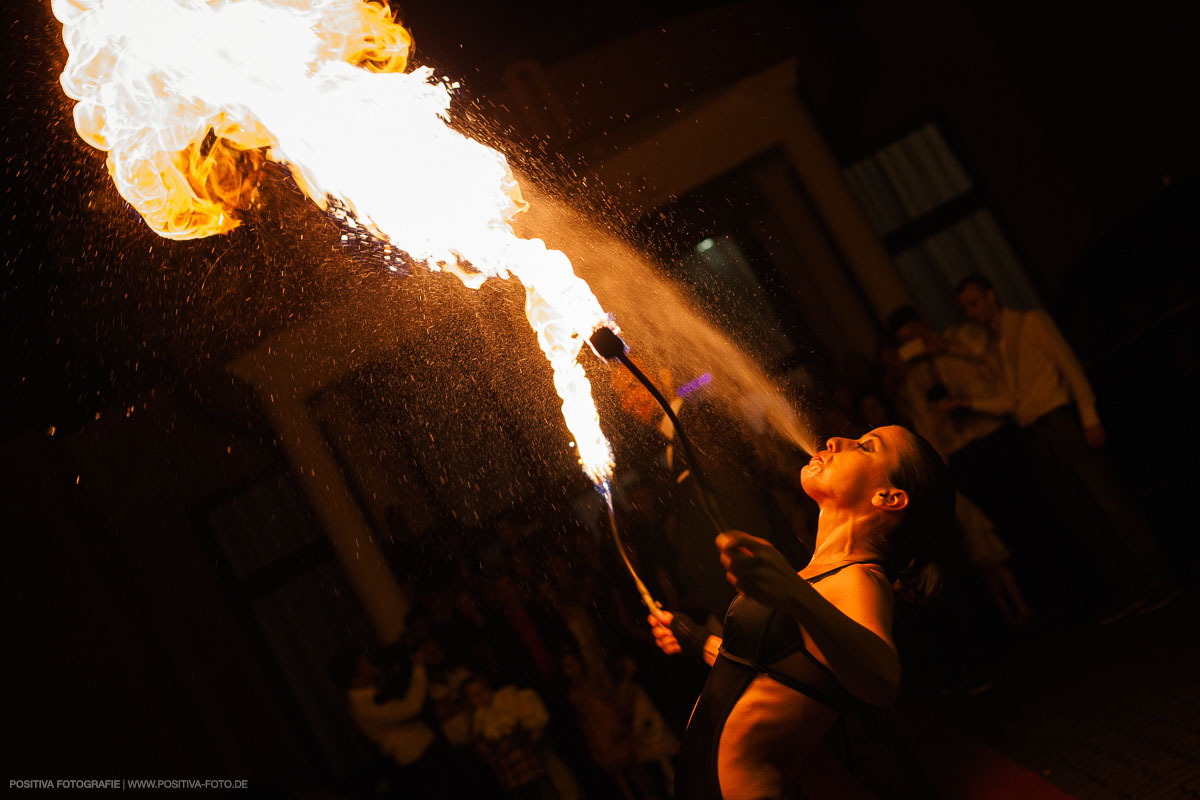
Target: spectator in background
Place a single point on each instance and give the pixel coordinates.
(1051, 400)
(450, 703)
(955, 399)
(394, 725)
(653, 741)
(485, 642)
(557, 593)
(645, 527)
(990, 557)
(603, 722)
(452, 714)
(939, 382)
(530, 625)
(505, 727)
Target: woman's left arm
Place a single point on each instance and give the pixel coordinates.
(851, 626)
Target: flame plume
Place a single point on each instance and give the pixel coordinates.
(189, 97)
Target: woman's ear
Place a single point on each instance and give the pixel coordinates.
(890, 499)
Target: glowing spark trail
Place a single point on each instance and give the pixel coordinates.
(189, 96)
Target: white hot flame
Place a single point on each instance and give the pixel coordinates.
(188, 96)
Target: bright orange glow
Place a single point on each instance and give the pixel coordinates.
(189, 97)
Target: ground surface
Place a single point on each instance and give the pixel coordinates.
(1101, 711)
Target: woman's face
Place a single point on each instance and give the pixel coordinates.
(848, 472)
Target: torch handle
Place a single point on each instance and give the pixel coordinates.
(647, 598)
(708, 501)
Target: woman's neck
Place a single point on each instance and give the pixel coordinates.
(843, 536)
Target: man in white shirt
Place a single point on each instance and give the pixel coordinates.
(1053, 403)
(954, 398)
(944, 386)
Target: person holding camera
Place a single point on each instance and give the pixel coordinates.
(954, 398)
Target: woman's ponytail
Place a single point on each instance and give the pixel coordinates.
(925, 523)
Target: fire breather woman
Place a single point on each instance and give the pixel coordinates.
(800, 648)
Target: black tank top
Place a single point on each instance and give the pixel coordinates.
(756, 639)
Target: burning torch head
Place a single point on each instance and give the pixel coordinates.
(606, 344)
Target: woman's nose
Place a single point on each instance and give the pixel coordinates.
(834, 444)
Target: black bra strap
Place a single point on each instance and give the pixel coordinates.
(799, 646)
(821, 666)
(821, 696)
(827, 573)
(806, 689)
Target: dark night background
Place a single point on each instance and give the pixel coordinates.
(144, 644)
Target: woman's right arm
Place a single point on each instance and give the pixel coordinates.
(660, 625)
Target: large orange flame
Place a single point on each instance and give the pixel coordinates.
(189, 97)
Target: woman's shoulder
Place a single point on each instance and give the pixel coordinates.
(862, 592)
(864, 574)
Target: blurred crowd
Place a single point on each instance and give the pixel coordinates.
(532, 681)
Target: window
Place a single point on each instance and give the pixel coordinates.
(936, 222)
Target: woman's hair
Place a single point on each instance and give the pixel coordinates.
(925, 521)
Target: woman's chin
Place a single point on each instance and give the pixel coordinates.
(808, 480)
